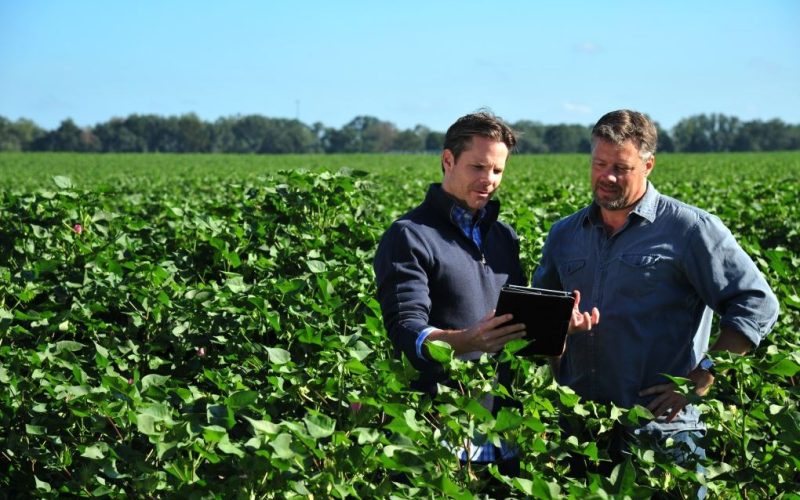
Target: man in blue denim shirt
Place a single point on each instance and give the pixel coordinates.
(657, 269)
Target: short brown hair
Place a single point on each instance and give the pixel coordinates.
(621, 125)
(483, 123)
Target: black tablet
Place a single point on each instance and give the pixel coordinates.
(546, 314)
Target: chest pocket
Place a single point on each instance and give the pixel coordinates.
(573, 266)
(639, 274)
(573, 274)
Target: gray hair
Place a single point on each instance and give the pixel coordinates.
(621, 125)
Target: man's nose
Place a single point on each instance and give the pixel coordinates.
(488, 177)
(608, 174)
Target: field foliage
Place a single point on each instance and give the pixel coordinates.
(205, 326)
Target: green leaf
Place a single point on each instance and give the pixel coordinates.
(639, 413)
(68, 345)
(146, 424)
(227, 447)
(785, 368)
(213, 433)
(42, 485)
(220, 415)
(282, 444)
(160, 412)
(35, 430)
(623, 477)
(93, 452)
(316, 266)
(319, 425)
(153, 380)
(523, 485)
(544, 489)
(568, 397)
(590, 450)
(62, 181)
(102, 351)
(507, 418)
(366, 435)
(235, 283)
(241, 399)
(360, 351)
(478, 410)
(263, 426)
(439, 351)
(278, 356)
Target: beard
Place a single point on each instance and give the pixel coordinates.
(617, 200)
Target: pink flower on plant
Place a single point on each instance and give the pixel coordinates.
(201, 351)
(77, 228)
(130, 381)
(355, 407)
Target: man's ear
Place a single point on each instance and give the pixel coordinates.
(649, 164)
(448, 160)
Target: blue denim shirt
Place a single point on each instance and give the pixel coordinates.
(656, 282)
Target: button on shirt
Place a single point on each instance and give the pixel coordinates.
(656, 282)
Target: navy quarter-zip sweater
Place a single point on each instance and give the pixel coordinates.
(429, 273)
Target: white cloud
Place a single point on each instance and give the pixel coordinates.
(588, 48)
(577, 108)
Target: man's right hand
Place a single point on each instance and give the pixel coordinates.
(490, 334)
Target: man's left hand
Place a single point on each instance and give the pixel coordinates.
(582, 321)
(669, 402)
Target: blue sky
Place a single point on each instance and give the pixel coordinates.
(411, 62)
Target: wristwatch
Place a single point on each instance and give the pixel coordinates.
(707, 365)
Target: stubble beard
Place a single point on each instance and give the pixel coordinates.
(618, 202)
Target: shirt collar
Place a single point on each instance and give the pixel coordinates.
(464, 217)
(646, 208)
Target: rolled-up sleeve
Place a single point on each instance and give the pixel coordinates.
(728, 280)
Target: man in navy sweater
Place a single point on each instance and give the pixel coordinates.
(440, 267)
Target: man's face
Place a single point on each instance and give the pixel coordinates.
(619, 176)
(476, 175)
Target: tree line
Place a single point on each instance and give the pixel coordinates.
(258, 134)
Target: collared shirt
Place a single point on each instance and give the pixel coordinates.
(657, 282)
(469, 223)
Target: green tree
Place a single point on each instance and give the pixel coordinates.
(19, 135)
(665, 142)
(223, 137)
(67, 137)
(116, 137)
(567, 139)
(193, 135)
(706, 133)
(434, 141)
(362, 134)
(249, 132)
(530, 137)
(409, 141)
(288, 136)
